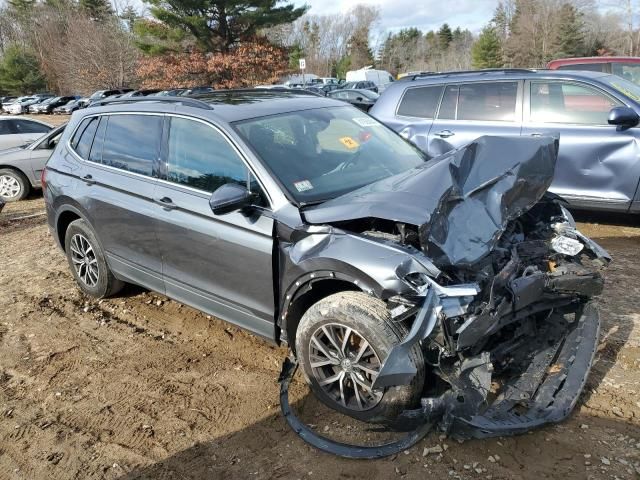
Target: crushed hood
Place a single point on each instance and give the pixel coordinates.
(462, 201)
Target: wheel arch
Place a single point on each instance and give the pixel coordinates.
(64, 216)
(310, 288)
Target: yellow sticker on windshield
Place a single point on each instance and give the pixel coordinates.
(349, 142)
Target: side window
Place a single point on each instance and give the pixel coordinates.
(449, 103)
(95, 155)
(5, 127)
(494, 102)
(560, 102)
(132, 142)
(83, 137)
(200, 157)
(25, 126)
(592, 67)
(420, 102)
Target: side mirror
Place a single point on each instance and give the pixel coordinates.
(623, 117)
(230, 197)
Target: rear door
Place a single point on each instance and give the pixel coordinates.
(221, 264)
(598, 164)
(470, 110)
(415, 113)
(121, 153)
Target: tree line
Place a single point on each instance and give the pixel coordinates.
(77, 46)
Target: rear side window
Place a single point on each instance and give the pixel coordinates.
(488, 102)
(132, 142)
(560, 102)
(200, 157)
(420, 102)
(25, 126)
(98, 142)
(83, 137)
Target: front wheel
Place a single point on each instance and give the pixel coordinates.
(341, 343)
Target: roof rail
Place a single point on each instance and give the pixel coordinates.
(264, 91)
(467, 72)
(191, 102)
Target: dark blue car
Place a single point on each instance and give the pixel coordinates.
(594, 113)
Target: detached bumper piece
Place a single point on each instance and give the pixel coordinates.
(546, 392)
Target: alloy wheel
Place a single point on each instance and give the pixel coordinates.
(84, 260)
(9, 186)
(345, 366)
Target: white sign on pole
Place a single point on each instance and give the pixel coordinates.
(303, 64)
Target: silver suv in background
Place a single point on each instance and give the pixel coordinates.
(595, 115)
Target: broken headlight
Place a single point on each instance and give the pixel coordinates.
(566, 246)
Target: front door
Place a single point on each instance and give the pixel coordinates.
(470, 110)
(598, 165)
(221, 264)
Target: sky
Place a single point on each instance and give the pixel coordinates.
(423, 14)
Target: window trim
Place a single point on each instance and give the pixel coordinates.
(518, 114)
(527, 102)
(443, 86)
(155, 177)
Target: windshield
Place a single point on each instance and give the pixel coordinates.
(324, 153)
(623, 86)
(369, 93)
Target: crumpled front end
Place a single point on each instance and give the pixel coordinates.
(509, 341)
(489, 274)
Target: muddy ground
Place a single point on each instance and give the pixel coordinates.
(139, 386)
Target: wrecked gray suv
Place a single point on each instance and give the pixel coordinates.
(455, 290)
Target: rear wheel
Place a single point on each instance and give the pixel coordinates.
(14, 185)
(341, 343)
(88, 263)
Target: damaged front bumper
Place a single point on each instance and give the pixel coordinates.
(515, 366)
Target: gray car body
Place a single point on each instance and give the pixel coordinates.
(279, 251)
(30, 159)
(598, 165)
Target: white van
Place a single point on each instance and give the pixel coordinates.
(381, 78)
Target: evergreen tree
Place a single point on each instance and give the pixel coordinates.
(96, 9)
(217, 25)
(20, 72)
(445, 36)
(129, 15)
(486, 52)
(569, 41)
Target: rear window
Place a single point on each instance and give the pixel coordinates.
(420, 102)
(132, 142)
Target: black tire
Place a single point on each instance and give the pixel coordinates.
(104, 284)
(20, 180)
(370, 319)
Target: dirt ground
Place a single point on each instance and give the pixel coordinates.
(139, 386)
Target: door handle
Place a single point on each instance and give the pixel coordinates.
(165, 202)
(536, 134)
(445, 134)
(88, 179)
